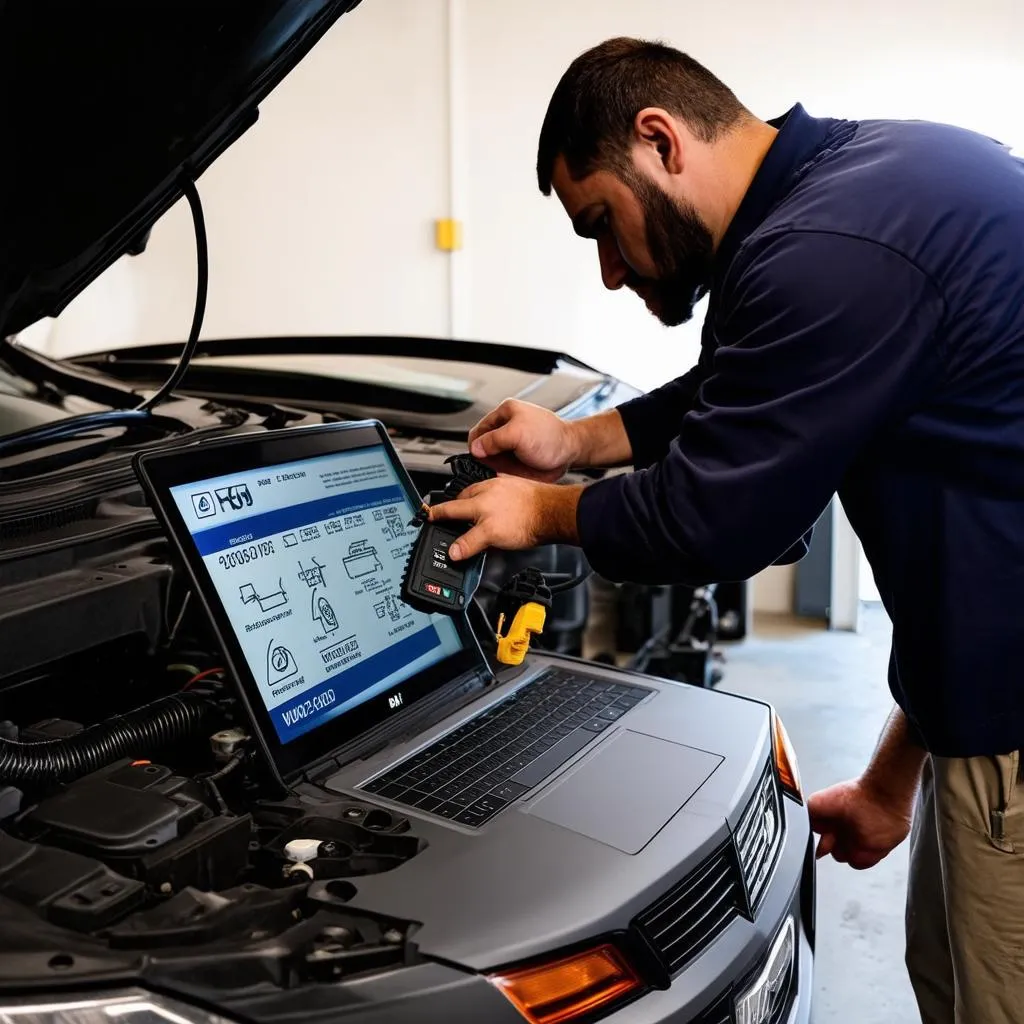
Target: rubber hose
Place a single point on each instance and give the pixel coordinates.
(139, 733)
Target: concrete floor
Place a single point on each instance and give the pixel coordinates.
(831, 691)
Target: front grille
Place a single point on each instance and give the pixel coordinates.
(733, 880)
(759, 837)
(694, 912)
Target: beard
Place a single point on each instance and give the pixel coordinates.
(681, 249)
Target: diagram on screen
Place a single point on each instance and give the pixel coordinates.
(323, 613)
(361, 560)
(267, 602)
(393, 528)
(390, 607)
(314, 576)
(280, 663)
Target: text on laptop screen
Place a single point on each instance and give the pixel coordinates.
(307, 559)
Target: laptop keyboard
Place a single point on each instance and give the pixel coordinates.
(472, 773)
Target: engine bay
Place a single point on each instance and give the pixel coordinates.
(146, 825)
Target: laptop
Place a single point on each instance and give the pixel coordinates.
(296, 542)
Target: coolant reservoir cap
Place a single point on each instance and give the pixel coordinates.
(301, 850)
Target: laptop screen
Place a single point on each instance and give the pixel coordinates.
(307, 558)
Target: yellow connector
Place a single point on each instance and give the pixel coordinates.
(527, 623)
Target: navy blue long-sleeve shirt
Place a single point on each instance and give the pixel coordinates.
(865, 335)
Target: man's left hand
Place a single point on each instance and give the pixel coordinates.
(511, 513)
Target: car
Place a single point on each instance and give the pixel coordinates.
(150, 868)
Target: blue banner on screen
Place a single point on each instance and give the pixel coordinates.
(307, 559)
(329, 699)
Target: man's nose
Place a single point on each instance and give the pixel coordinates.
(614, 270)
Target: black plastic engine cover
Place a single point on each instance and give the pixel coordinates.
(68, 889)
(147, 823)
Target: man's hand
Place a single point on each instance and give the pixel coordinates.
(858, 824)
(524, 440)
(511, 514)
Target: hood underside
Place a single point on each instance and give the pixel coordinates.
(106, 106)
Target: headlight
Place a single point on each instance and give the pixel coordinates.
(764, 998)
(127, 1007)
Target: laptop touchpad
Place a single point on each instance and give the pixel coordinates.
(625, 794)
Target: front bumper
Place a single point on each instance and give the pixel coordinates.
(702, 993)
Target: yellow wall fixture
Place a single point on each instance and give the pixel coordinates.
(448, 235)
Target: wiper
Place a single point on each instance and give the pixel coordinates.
(86, 422)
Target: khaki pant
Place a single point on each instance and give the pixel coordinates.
(965, 906)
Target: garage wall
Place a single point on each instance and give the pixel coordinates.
(320, 219)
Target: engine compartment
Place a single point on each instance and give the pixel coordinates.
(147, 825)
(135, 815)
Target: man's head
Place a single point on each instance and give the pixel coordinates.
(634, 143)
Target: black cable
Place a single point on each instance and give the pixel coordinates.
(202, 286)
(570, 583)
(48, 432)
(74, 425)
(211, 782)
(567, 582)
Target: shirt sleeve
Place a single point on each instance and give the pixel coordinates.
(828, 339)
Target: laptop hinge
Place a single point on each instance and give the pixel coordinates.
(426, 712)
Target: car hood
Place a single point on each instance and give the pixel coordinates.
(438, 387)
(106, 106)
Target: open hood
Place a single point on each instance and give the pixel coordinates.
(105, 105)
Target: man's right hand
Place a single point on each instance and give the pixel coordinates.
(522, 439)
(858, 824)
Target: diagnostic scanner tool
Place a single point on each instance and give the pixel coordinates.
(432, 582)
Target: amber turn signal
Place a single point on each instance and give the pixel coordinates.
(785, 759)
(568, 988)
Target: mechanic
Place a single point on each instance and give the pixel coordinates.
(864, 334)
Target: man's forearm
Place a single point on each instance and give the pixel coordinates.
(895, 768)
(600, 440)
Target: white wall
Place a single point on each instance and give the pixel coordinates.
(320, 220)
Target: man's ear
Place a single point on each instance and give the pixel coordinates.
(657, 132)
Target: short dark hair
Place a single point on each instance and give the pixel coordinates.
(589, 120)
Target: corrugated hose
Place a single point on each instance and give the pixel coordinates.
(138, 733)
